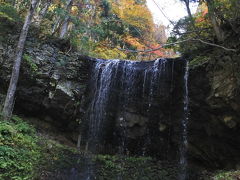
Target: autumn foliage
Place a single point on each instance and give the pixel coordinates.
(99, 28)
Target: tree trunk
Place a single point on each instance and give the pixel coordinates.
(187, 3)
(213, 18)
(64, 27)
(43, 12)
(56, 25)
(217, 29)
(9, 101)
(188, 9)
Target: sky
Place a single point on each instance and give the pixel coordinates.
(172, 10)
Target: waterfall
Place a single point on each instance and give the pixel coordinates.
(128, 88)
(134, 89)
(129, 107)
(183, 147)
(157, 70)
(103, 75)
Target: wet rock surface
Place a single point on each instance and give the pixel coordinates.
(140, 109)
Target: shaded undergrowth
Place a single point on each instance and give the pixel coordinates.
(27, 154)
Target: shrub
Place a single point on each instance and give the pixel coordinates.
(19, 152)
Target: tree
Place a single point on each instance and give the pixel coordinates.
(215, 22)
(43, 8)
(91, 25)
(64, 27)
(9, 101)
(187, 4)
(212, 14)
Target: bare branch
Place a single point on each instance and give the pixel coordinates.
(155, 49)
(216, 45)
(160, 9)
(179, 42)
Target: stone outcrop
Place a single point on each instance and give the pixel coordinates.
(52, 82)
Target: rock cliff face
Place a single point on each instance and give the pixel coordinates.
(51, 82)
(214, 129)
(53, 86)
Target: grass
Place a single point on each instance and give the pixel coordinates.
(227, 175)
(24, 154)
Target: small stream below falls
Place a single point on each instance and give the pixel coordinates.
(136, 109)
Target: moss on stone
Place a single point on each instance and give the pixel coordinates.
(199, 60)
(133, 168)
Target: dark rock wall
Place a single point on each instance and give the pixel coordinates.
(214, 129)
(51, 82)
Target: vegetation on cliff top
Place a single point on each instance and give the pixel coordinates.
(212, 30)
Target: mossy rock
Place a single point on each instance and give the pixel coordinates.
(227, 175)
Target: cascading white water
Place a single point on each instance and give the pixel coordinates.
(157, 70)
(183, 175)
(120, 89)
(104, 73)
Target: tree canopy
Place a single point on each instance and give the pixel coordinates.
(213, 25)
(99, 28)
